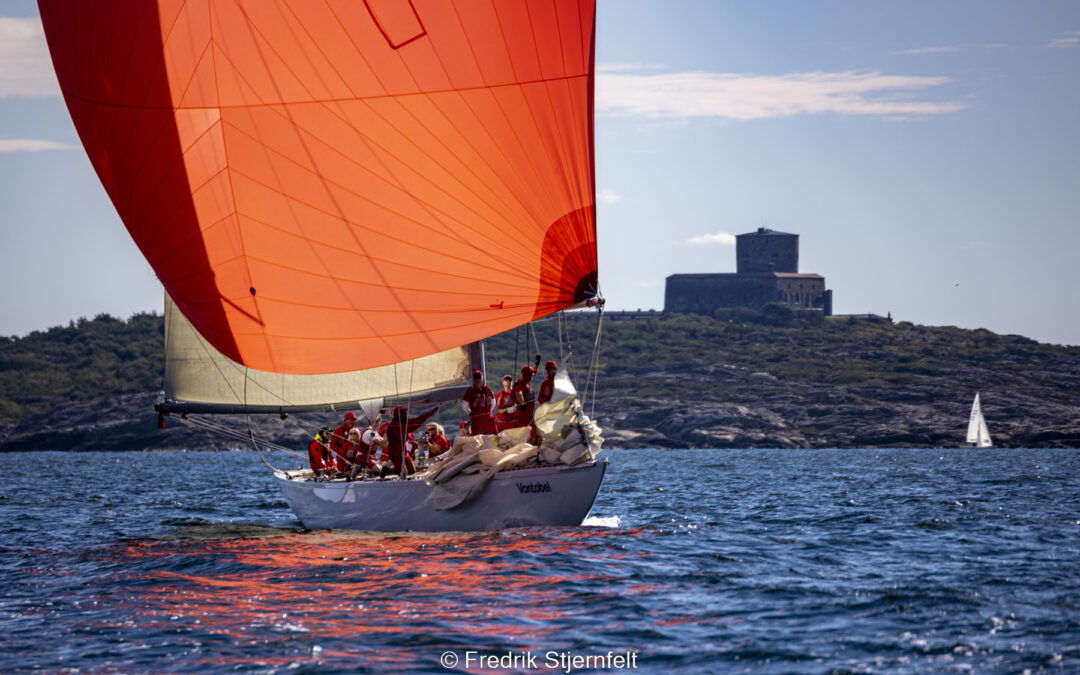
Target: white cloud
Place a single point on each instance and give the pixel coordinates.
(747, 97)
(624, 67)
(1066, 42)
(715, 239)
(929, 50)
(29, 145)
(609, 196)
(25, 66)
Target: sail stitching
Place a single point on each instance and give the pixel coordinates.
(350, 191)
(288, 118)
(558, 137)
(389, 288)
(459, 92)
(373, 97)
(232, 192)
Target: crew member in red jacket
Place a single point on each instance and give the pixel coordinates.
(397, 433)
(437, 443)
(505, 405)
(524, 395)
(338, 440)
(319, 453)
(547, 387)
(478, 402)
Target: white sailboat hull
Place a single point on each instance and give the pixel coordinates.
(547, 495)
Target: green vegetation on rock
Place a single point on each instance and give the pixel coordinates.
(741, 378)
(84, 361)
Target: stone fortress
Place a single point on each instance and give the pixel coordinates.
(766, 270)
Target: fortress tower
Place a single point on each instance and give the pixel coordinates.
(767, 270)
(766, 250)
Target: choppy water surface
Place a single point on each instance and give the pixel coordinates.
(698, 561)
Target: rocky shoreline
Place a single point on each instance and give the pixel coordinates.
(768, 414)
(676, 381)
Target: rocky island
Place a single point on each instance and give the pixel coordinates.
(738, 379)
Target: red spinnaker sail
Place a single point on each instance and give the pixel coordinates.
(327, 185)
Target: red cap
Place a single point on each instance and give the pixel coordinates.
(464, 423)
(551, 364)
(528, 369)
(350, 415)
(477, 373)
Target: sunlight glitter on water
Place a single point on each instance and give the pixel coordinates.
(781, 561)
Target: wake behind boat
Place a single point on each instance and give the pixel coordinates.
(341, 207)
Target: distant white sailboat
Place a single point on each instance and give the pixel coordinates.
(977, 432)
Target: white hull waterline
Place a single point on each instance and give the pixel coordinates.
(545, 495)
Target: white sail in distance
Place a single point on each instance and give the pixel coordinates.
(977, 432)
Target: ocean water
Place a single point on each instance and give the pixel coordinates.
(774, 561)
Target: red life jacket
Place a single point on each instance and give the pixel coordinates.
(480, 402)
(547, 389)
(525, 410)
(504, 400)
(443, 444)
(319, 456)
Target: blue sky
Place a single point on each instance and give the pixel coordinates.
(927, 152)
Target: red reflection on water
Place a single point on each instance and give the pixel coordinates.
(345, 589)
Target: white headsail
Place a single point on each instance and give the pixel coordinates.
(199, 378)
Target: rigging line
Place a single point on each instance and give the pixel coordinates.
(594, 362)
(536, 344)
(235, 434)
(397, 387)
(397, 396)
(250, 431)
(408, 400)
(221, 430)
(165, 344)
(596, 359)
(267, 462)
(558, 336)
(569, 349)
(247, 419)
(517, 343)
(408, 411)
